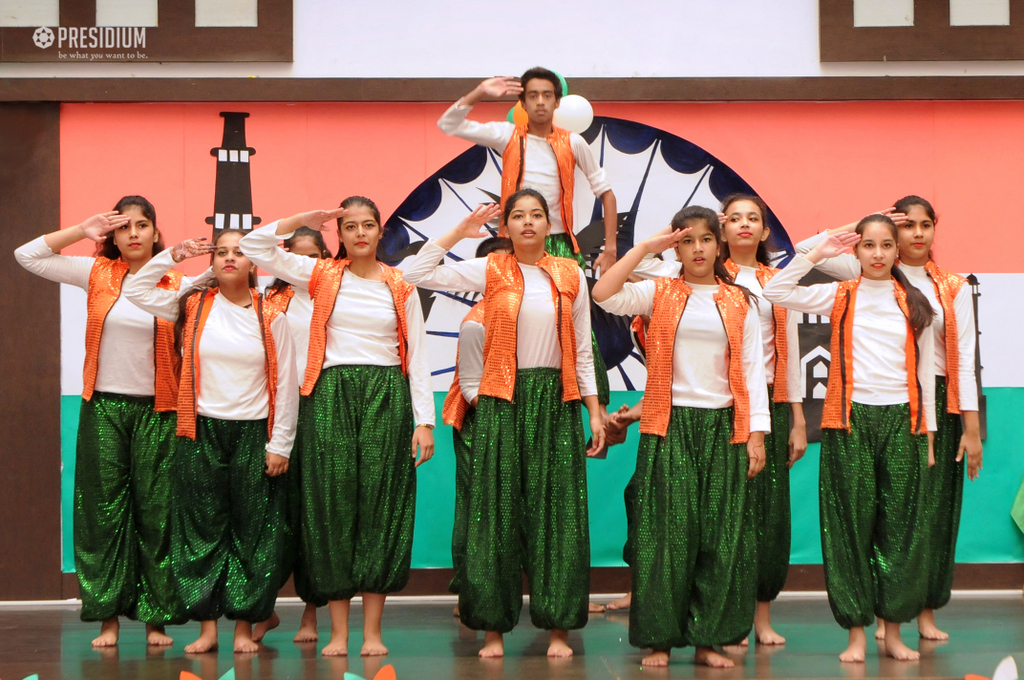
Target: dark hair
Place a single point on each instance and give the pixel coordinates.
(762, 246)
(108, 249)
(543, 74)
(921, 312)
(510, 204)
(907, 202)
(353, 202)
(303, 232)
(490, 245)
(698, 213)
(179, 324)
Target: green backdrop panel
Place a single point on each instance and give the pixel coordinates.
(988, 534)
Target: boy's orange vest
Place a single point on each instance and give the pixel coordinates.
(512, 163)
(105, 281)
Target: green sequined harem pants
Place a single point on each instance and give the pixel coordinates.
(559, 245)
(358, 481)
(462, 441)
(122, 511)
(230, 530)
(943, 497)
(873, 534)
(770, 495)
(694, 538)
(527, 509)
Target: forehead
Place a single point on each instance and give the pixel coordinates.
(527, 203)
(877, 231)
(359, 213)
(538, 85)
(228, 240)
(304, 243)
(698, 227)
(743, 207)
(917, 212)
(134, 212)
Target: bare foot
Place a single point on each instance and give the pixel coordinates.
(307, 627)
(336, 647)
(559, 646)
(156, 636)
(707, 656)
(108, 633)
(763, 631)
(264, 627)
(894, 646)
(656, 658)
(857, 647)
(373, 647)
(244, 644)
(455, 612)
(494, 645)
(620, 603)
(880, 630)
(927, 629)
(207, 640)
(594, 608)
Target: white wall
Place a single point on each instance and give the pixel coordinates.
(579, 38)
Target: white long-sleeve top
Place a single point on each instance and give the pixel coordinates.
(471, 358)
(300, 313)
(847, 266)
(231, 356)
(879, 336)
(363, 326)
(700, 358)
(126, 364)
(537, 343)
(652, 268)
(540, 167)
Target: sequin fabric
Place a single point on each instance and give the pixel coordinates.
(947, 287)
(230, 533)
(358, 484)
(559, 245)
(874, 535)
(462, 441)
(769, 494)
(694, 566)
(527, 510)
(297, 562)
(942, 499)
(122, 511)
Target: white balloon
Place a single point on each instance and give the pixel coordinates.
(574, 113)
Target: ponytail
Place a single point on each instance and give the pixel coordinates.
(921, 312)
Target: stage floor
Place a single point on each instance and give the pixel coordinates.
(427, 643)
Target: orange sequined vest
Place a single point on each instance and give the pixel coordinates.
(105, 281)
(512, 164)
(947, 287)
(764, 275)
(455, 405)
(197, 310)
(504, 294)
(323, 290)
(670, 298)
(280, 297)
(835, 414)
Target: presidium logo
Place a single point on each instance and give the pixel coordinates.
(124, 42)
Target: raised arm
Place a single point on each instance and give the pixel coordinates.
(142, 289)
(468, 276)
(41, 256)
(261, 246)
(612, 281)
(784, 290)
(496, 134)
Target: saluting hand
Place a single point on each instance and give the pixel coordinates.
(501, 86)
(316, 219)
(97, 227)
(664, 240)
(193, 247)
(833, 246)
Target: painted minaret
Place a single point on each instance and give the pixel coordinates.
(232, 199)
